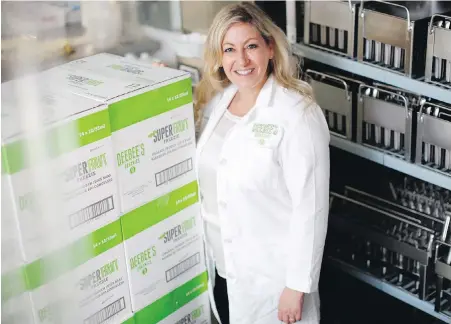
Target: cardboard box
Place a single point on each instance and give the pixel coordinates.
(163, 245)
(154, 140)
(16, 302)
(85, 282)
(119, 68)
(195, 312)
(181, 304)
(152, 121)
(130, 320)
(62, 172)
(150, 114)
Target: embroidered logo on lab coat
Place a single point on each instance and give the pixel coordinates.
(266, 135)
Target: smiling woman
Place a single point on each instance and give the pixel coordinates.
(246, 56)
(263, 170)
(241, 40)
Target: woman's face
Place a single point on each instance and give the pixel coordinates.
(245, 56)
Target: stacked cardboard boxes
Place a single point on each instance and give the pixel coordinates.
(16, 299)
(16, 302)
(125, 184)
(65, 196)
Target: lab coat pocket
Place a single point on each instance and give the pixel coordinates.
(259, 162)
(256, 167)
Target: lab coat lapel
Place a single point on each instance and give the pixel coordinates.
(266, 95)
(264, 99)
(218, 111)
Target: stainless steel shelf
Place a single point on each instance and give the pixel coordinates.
(389, 289)
(392, 162)
(369, 71)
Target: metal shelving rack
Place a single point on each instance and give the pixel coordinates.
(378, 74)
(365, 70)
(373, 72)
(389, 289)
(392, 162)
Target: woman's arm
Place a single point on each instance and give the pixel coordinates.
(305, 163)
(304, 157)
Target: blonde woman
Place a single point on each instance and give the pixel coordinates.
(263, 170)
(263, 167)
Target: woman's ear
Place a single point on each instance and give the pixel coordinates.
(271, 49)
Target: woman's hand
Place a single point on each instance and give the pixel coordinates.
(290, 306)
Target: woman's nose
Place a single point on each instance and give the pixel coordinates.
(243, 58)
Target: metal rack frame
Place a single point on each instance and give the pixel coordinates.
(389, 289)
(421, 87)
(392, 162)
(388, 77)
(366, 70)
(341, 102)
(373, 110)
(438, 46)
(331, 15)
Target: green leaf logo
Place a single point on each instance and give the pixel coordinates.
(132, 170)
(144, 271)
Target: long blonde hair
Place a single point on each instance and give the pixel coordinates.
(283, 66)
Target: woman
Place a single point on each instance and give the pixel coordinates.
(263, 167)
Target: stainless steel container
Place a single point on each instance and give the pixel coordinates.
(330, 25)
(334, 96)
(438, 54)
(394, 36)
(443, 274)
(379, 110)
(433, 138)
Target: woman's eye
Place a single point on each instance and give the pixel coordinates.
(253, 46)
(228, 50)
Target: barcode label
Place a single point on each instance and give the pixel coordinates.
(182, 267)
(173, 172)
(107, 312)
(92, 211)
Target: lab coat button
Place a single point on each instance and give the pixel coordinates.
(222, 204)
(223, 162)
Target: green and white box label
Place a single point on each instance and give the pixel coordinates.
(73, 191)
(165, 254)
(15, 299)
(154, 142)
(164, 310)
(195, 312)
(96, 291)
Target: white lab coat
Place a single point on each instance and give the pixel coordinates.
(273, 198)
